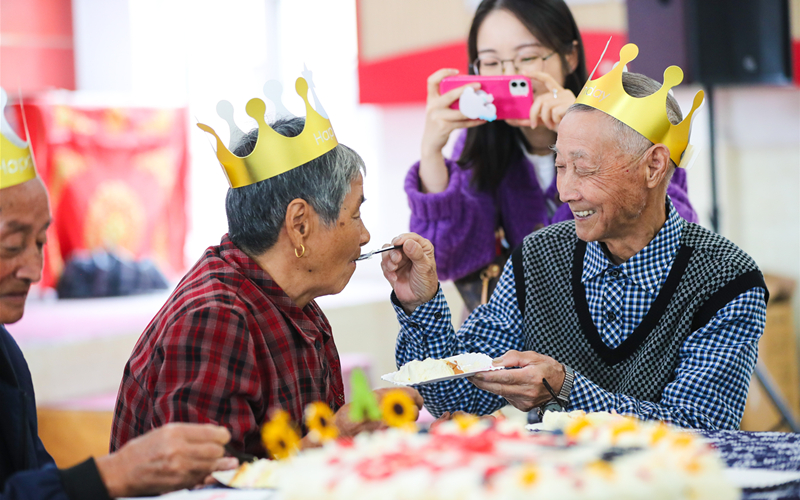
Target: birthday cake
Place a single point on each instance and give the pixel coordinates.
(588, 457)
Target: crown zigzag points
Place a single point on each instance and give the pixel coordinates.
(646, 115)
(275, 154)
(16, 160)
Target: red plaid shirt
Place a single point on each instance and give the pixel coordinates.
(227, 347)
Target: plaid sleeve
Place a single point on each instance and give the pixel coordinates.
(712, 377)
(206, 372)
(492, 329)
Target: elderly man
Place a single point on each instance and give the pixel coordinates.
(627, 308)
(176, 457)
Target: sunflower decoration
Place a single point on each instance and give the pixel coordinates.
(529, 475)
(279, 436)
(320, 422)
(465, 420)
(398, 410)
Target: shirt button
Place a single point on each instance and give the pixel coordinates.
(613, 273)
(438, 315)
(413, 325)
(610, 316)
(317, 344)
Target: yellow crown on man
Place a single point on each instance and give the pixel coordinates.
(16, 160)
(646, 115)
(275, 154)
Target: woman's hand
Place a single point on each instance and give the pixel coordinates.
(412, 271)
(440, 121)
(549, 108)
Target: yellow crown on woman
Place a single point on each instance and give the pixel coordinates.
(275, 154)
(646, 115)
(16, 160)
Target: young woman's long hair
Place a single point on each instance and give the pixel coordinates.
(490, 148)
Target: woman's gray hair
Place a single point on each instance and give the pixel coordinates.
(637, 85)
(256, 213)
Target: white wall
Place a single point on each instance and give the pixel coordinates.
(199, 52)
(102, 43)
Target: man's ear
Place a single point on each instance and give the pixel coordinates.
(299, 221)
(657, 166)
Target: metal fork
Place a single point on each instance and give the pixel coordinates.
(365, 256)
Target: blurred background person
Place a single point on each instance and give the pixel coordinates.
(177, 456)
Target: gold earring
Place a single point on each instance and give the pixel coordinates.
(303, 252)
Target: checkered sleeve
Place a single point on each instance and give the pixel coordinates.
(712, 378)
(492, 329)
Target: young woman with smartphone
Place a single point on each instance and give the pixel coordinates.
(500, 184)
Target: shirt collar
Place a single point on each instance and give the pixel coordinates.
(650, 265)
(305, 320)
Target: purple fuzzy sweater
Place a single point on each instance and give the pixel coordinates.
(460, 221)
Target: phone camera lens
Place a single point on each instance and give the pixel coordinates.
(522, 84)
(513, 84)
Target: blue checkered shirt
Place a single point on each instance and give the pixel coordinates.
(715, 362)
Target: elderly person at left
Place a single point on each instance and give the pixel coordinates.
(629, 307)
(173, 457)
(242, 336)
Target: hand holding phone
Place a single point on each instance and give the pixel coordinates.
(502, 97)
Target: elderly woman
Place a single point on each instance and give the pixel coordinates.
(241, 335)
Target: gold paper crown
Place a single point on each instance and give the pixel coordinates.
(646, 115)
(16, 160)
(274, 153)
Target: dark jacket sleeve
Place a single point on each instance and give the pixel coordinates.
(82, 482)
(42, 480)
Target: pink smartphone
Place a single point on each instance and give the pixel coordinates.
(513, 94)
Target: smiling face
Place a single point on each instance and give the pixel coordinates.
(606, 189)
(24, 219)
(332, 250)
(501, 35)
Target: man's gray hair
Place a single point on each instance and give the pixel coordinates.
(637, 85)
(256, 213)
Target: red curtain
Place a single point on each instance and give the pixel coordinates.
(116, 177)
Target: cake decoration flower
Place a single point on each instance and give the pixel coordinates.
(465, 420)
(529, 475)
(320, 422)
(398, 409)
(279, 436)
(574, 427)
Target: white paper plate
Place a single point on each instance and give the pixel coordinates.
(482, 362)
(225, 477)
(760, 478)
(218, 494)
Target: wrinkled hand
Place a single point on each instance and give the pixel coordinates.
(169, 458)
(440, 120)
(412, 271)
(348, 428)
(522, 387)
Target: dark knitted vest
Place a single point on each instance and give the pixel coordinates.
(708, 272)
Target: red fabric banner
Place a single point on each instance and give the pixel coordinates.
(117, 180)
